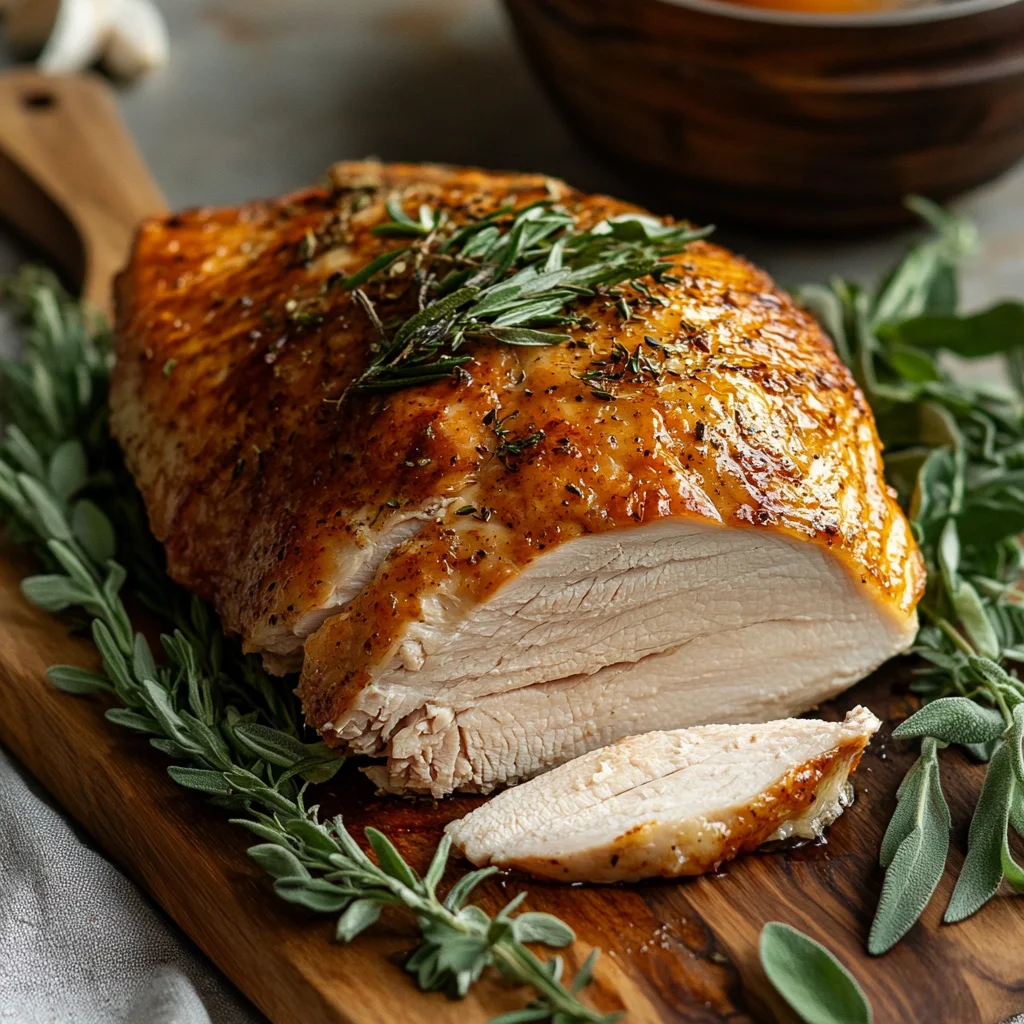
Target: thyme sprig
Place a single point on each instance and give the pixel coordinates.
(955, 452)
(231, 733)
(508, 277)
(508, 445)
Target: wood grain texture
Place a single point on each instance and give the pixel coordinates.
(674, 951)
(800, 126)
(71, 178)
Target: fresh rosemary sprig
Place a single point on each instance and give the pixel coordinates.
(955, 452)
(507, 277)
(231, 732)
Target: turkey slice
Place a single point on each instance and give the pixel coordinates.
(671, 803)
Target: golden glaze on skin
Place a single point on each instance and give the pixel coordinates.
(255, 478)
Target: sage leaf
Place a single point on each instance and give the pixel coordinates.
(464, 953)
(271, 744)
(46, 507)
(311, 834)
(1012, 871)
(524, 336)
(314, 894)
(391, 861)
(972, 614)
(437, 864)
(198, 778)
(93, 530)
(995, 330)
(1015, 742)
(904, 818)
(544, 928)
(953, 720)
(356, 919)
(68, 469)
(53, 593)
(461, 890)
(983, 867)
(71, 679)
(24, 453)
(1017, 810)
(278, 861)
(811, 980)
(915, 867)
(132, 720)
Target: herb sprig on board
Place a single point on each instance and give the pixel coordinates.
(509, 277)
(810, 978)
(231, 732)
(955, 453)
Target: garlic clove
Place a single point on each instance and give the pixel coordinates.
(138, 40)
(78, 36)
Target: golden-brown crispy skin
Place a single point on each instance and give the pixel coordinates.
(225, 397)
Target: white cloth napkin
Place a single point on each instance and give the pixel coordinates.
(79, 943)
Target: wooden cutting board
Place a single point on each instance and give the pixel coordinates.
(673, 951)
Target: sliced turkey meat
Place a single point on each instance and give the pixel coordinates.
(486, 575)
(671, 803)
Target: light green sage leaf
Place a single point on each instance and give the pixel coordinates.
(809, 977)
(983, 867)
(390, 860)
(278, 861)
(311, 834)
(461, 890)
(546, 928)
(953, 720)
(93, 530)
(51, 515)
(971, 612)
(995, 330)
(198, 778)
(1012, 871)
(357, 918)
(314, 894)
(72, 679)
(271, 744)
(53, 593)
(132, 720)
(437, 864)
(464, 953)
(916, 867)
(68, 469)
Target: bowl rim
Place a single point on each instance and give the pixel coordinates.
(915, 15)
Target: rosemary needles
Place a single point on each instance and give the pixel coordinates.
(511, 277)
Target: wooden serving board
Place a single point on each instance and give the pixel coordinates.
(673, 951)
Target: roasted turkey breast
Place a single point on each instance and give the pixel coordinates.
(671, 803)
(486, 575)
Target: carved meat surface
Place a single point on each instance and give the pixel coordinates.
(705, 535)
(671, 803)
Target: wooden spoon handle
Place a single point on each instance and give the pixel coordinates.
(71, 179)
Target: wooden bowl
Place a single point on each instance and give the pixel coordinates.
(784, 119)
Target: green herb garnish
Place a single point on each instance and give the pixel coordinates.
(509, 446)
(231, 732)
(509, 277)
(814, 983)
(955, 452)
